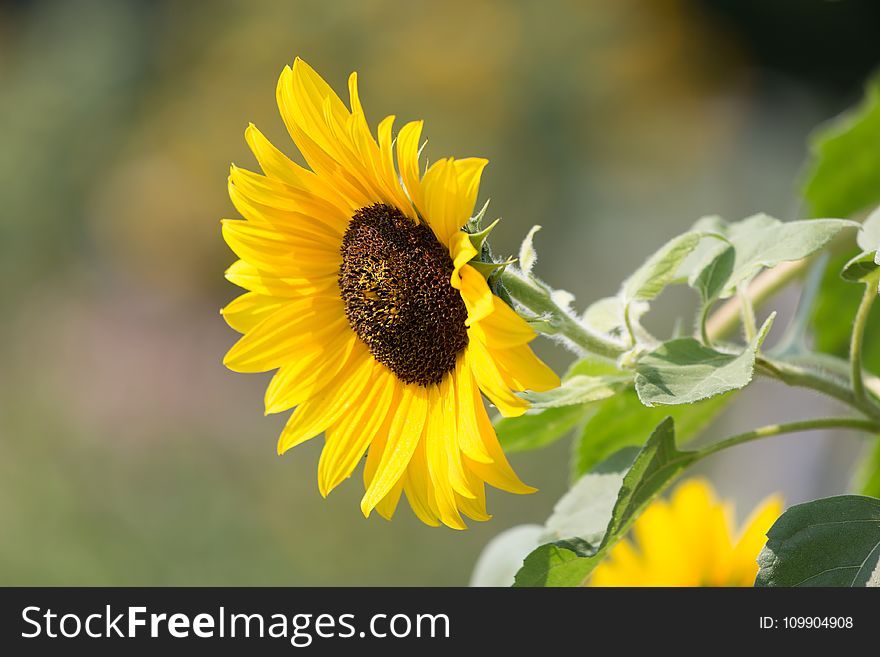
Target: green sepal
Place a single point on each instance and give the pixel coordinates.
(478, 239)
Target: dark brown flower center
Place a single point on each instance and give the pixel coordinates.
(394, 281)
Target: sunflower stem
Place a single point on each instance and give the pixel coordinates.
(825, 379)
(790, 427)
(858, 335)
(537, 298)
(750, 328)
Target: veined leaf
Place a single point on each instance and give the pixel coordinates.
(829, 542)
(583, 512)
(579, 389)
(659, 270)
(712, 279)
(684, 371)
(758, 242)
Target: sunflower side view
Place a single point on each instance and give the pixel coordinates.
(360, 295)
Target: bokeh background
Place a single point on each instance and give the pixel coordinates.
(129, 455)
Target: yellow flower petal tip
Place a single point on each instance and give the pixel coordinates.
(689, 541)
(359, 296)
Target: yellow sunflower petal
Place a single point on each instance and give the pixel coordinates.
(271, 201)
(522, 370)
(408, 162)
(467, 398)
(450, 443)
(376, 155)
(246, 311)
(348, 438)
(319, 123)
(315, 415)
(405, 433)
(272, 342)
(656, 532)
(478, 298)
(503, 328)
(440, 187)
(492, 382)
(469, 170)
(475, 507)
(419, 489)
(450, 190)
(388, 504)
(622, 567)
(273, 162)
(498, 473)
(461, 250)
(439, 470)
(309, 370)
(270, 283)
(271, 250)
(745, 553)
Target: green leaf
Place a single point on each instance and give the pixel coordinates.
(830, 542)
(594, 366)
(760, 241)
(527, 254)
(711, 280)
(657, 464)
(579, 389)
(860, 267)
(552, 565)
(569, 564)
(844, 175)
(869, 234)
(583, 512)
(659, 270)
(684, 371)
(540, 427)
(868, 476)
(535, 430)
(623, 421)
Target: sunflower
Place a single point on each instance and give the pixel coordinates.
(361, 296)
(688, 542)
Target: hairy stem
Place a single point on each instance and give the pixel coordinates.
(821, 379)
(750, 329)
(537, 298)
(790, 427)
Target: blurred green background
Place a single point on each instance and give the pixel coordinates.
(129, 455)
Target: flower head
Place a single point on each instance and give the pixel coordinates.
(688, 541)
(361, 296)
